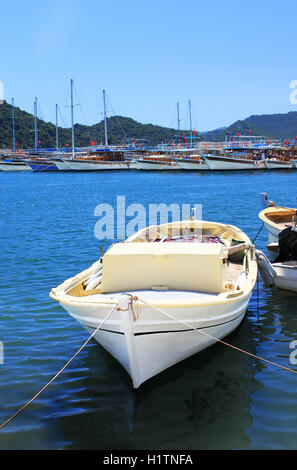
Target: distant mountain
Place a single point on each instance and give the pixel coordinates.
(123, 129)
(276, 126)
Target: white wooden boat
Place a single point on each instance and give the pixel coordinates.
(282, 272)
(97, 165)
(277, 164)
(62, 164)
(156, 163)
(286, 275)
(193, 162)
(200, 273)
(227, 162)
(294, 163)
(275, 218)
(14, 165)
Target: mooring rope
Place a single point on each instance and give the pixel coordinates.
(137, 299)
(214, 338)
(60, 371)
(255, 238)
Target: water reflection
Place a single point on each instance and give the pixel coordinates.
(201, 403)
(273, 407)
(217, 399)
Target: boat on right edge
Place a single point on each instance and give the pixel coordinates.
(276, 219)
(279, 163)
(228, 160)
(282, 272)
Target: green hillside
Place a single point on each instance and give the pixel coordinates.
(120, 129)
(123, 129)
(276, 126)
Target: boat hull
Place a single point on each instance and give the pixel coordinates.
(286, 277)
(273, 233)
(154, 342)
(276, 165)
(192, 165)
(227, 163)
(46, 166)
(62, 165)
(14, 166)
(97, 166)
(147, 165)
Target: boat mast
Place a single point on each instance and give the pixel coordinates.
(190, 112)
(72, 126)
(178, 122)
(35, 124)
(105, 121)
(13, 129)
(57, 131)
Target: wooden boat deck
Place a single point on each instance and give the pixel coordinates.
(281, 217)
(233, 271)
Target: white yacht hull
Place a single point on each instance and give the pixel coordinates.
(282, 275)
(286, 277)
(97, 166)
(12, 166)
(154, 342)
(62, 165)
(192, 165)
(146, 165)
(273, 233)
(276, 165)
(228, 163)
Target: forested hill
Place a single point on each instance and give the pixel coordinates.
(120, 130)
(123, 129)
(276, 126)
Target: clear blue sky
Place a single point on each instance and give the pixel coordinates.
(231, 58)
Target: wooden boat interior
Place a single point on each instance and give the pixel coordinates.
(283, 217)
(227, 238)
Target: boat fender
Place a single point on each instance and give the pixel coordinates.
(267, 272)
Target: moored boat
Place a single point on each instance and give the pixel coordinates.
(282, 272)
(278, 164)
(97, 165)
(174, 289)
(42, 165)
(156, 163)
(62, 165)
(276, 218)
(14, 165)
(232, 162)
(193, 162)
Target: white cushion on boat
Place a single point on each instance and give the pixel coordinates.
(183, 266)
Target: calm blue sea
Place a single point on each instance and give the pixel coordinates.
(218, 399)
